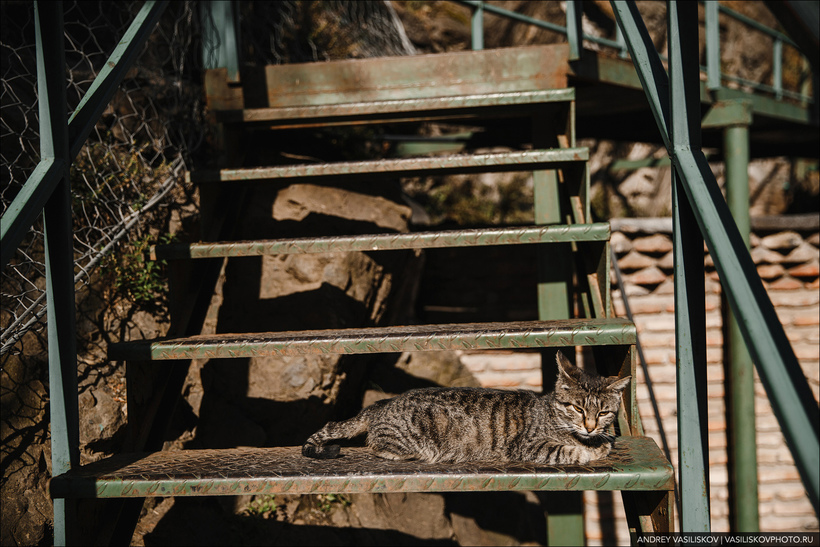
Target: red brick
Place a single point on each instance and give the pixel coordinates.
(769, 272)
(770, 522)
(794, 298)
(499, 380)
(801, 320)
(809, 271)
(778, 473)
(788, 492)
(667, 287)
(635, 261)
(659, 356)
(785, 283)
(808, 352)
(654, 244)
(801, 506)
(648, 276)
(649, 304)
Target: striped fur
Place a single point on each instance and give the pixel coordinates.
(564, 427)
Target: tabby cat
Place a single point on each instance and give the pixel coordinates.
(564, 427)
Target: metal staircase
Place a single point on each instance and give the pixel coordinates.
(526, 85)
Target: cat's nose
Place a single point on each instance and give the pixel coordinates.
(590, 426)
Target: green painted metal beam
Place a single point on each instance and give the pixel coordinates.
(690, 308)
(386, 242)
(712, 25)
(59, 259)
(477, 26)
(28, 205)
(767, 106)
(723, 114)
(494, 162)
(635, 465)
(785, 384)
(515, 335)
(220, 47)
(740, 370)
(575, 32)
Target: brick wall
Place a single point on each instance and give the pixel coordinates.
(785, 250)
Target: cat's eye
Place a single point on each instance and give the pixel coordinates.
(604, 413)
(577, 409)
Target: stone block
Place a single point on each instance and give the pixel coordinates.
(762, 255)
(635, 261)
(657, 244)
(620, 243)
(803, 253)
(650, 276)
(783, 241)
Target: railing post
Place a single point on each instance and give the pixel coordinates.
(789, 392)
(740, 369)
(564, 510)
(477, 27)
(712, 24)
(59, 259)
(777, 76)
(220, 47)
(690, 309)
(575, 33)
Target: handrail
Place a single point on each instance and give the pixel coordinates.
(787, 388)
(712, 68)
(47, 191)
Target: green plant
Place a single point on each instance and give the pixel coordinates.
(134, 275)
(262, 506)
(325, 502)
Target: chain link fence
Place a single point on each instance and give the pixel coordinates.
(148, 135)
(133, 158)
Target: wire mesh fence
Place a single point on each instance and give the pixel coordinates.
(135, 155)
(148, 135)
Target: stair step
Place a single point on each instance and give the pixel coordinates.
(384, 242)
(463, 163)
(510, 335)
(636, 464)
(466, 106)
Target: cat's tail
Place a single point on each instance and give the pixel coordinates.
(316, 446)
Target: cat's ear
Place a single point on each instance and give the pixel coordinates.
(564, 366)
(619, 384)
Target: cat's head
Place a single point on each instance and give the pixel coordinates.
(588, 403)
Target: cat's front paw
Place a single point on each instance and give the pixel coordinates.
(600, 452)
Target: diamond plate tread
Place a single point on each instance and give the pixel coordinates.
(391, 110)
(383, 242)
(507, 335)
(635, 464)
(459, 163)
